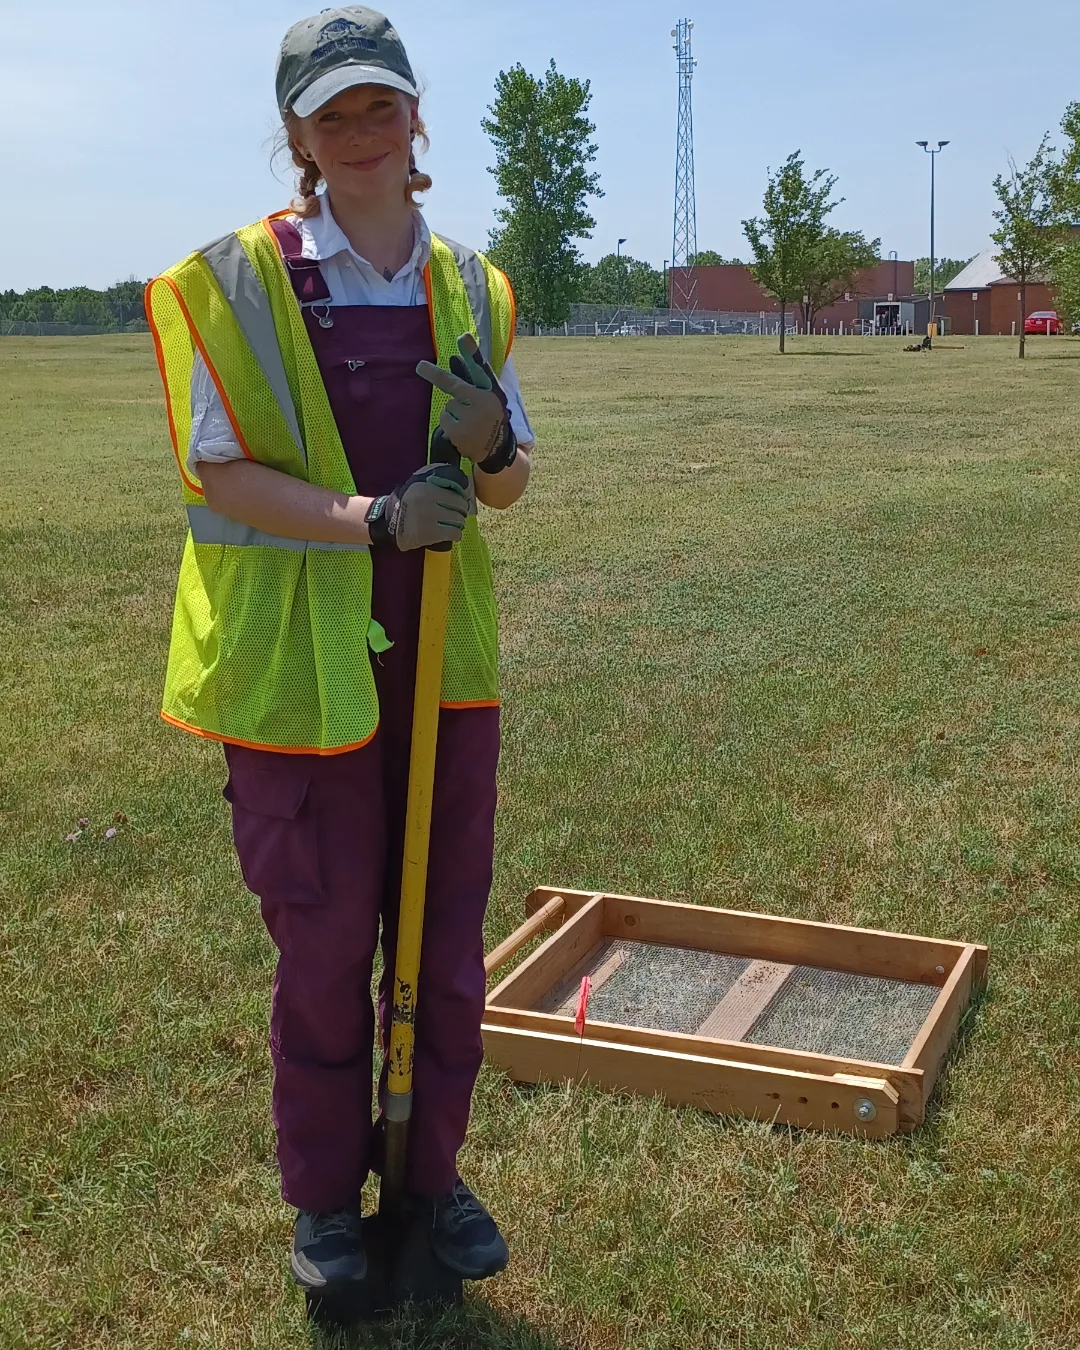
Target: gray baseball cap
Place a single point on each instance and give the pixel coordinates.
(337, 50)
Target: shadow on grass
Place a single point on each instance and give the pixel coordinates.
(930, 1128)
(473, 1326)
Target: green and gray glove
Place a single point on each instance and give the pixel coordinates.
(428, 509)
(476, 421)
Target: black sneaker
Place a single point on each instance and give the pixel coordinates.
(465, 1237)
(328, 1249)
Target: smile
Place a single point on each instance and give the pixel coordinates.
(365, 165)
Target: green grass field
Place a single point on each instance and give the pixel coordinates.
(799, 635)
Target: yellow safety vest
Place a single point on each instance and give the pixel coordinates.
(270, 637)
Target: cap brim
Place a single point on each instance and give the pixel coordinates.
(335, 82)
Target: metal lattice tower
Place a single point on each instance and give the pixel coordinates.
(684, 243)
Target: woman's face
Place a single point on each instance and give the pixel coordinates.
(361, 140)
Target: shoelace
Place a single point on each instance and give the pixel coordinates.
(341, 1223)
(465, 1206)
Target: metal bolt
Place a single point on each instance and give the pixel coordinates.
(865, 1110)
(940, 970)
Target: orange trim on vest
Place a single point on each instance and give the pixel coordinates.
(513, 310)
(209, 365)
(254, 745)
(431, 307)
(160, 353)
(476, 703)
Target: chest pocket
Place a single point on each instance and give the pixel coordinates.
(353, 379)
(389, 377)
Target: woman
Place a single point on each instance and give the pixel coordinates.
(305, 347)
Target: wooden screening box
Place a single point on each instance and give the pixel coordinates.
(807, 1024)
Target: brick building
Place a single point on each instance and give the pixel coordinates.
(982, 294)
(731, 289)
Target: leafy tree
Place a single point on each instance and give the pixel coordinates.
(710, 258)
(24, 310)
(541, 136)
(945, 270)
(37, 306)
(125, 300)
(81, 305)
(1026, 236)
(120, 305)
(622, 280)
(832, 270)
(784, 239)
(1064, 185)
(1066, 276)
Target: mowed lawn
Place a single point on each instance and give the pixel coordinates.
(797, 635)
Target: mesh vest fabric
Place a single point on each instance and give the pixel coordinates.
(269, 642)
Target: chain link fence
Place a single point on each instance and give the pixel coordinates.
(34, 328)
(630, 321)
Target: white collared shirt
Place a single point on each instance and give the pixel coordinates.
(351, 280)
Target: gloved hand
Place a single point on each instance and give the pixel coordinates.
(429, 508)
(476, 421)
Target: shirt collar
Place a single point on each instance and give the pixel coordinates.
(323, 238)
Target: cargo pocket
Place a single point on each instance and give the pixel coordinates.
(275, 832)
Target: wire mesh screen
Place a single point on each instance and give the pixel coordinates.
(641, 984)
(832, 1012)
(829, 1012)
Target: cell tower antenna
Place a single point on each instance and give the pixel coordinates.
(684, 243)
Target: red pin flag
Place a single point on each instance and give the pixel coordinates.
(583, 1005)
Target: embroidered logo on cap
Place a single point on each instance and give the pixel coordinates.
(343, 36)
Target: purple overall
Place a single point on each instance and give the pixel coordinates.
(320, 838)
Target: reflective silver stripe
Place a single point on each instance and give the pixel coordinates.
(209, 527)
(250, 304)
(475, 279)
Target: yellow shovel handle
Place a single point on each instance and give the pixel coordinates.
(425, 733)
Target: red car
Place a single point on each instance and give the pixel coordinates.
(1043, 321)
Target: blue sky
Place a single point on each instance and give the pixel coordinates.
(137, 131)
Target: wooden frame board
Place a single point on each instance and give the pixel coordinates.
(714, 1068)
(779, 1096)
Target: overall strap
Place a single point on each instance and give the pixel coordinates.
(306, 276)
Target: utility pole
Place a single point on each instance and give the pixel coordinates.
(933, 259)
(684, 236)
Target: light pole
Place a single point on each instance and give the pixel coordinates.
(618, 255)
(933, 156)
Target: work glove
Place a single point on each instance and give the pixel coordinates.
(476, 421)
(428, 509)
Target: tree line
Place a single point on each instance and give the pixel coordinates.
(620, 279)
(112, 309)
(542, 136)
